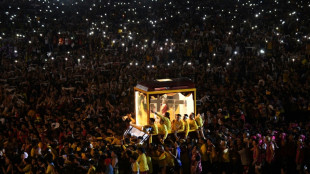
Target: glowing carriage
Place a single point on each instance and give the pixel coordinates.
(176, 96)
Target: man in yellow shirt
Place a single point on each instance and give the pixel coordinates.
(199, 122)
(186, 125)
(161, 158)
(50, 168)
(153, 126)
(134, 164)
(162, 131)
(142, 161)
(178, 126)
(166, 120)
(192, 122)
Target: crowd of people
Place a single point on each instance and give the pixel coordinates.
(68, 69)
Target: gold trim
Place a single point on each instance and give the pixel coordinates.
(172, 91)
(148, 108)
(166, 91)
(195, 102)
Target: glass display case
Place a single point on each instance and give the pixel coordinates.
(176, 96)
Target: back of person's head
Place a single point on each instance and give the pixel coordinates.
(167, 114)
(133, 157)
(141, 149)
(197, 158)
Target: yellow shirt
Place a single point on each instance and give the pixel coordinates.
(33, 152)
(142, 161)
(91, 170)
(50, 169)
(226, 156)
(27, 169)
(178, 126)
(155, 129)
(162, 130)
(199, 121)
(169, 159)
(204, 152)
(135, 167)
(186, 128)
(149, 163)
(161, 159)
(166, 120)
(192, 124)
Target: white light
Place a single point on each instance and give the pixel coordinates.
(229, 59)
(16, 61)
(293, 60)
(189, 63)
(227, 63)
(52, 58)
(172, 61)
(148, 66)
(168, 64)
(186, 41)
(214, 54)
(66, 59)
(170, 50)
(209, 64)
(83, 56)
(262, 51)
(130, 63)
(136, 63)
(79, 60)
(235, 52)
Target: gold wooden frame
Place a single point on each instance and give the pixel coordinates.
(148, 93)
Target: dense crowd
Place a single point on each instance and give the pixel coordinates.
(68, 68)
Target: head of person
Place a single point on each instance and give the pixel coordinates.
(133, 158)
(192, 116)
(152, 121)
(178, 117)
(167, 114)
(161, 148)
(176, 144)
(113, 154)
(141, 150)
(185, 117)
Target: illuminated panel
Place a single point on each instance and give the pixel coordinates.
(141, 108)
(174, 103)
(164, 80)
